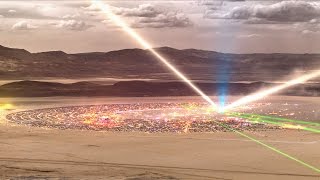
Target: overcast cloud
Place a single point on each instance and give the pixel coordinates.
(227, 26)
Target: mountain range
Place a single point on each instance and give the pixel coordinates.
(138, 63)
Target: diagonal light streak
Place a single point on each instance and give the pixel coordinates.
(118, 21)
(273, 149)
(262, 94)
(273, 118)
(106, 9)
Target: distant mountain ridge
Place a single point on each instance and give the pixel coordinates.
(138, 63)
(141, 89)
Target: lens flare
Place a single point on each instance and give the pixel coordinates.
(265, 93)
(223, 69)
(118, 21)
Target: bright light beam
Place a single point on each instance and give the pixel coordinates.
(262, 94)
(106, 9)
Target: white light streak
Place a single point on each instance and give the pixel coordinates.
(105, 8)
(264, 93)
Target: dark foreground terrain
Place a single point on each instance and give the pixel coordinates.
(141, 88)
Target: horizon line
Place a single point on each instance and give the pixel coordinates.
(157, 47)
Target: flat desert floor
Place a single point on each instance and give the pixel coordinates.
(43, 153)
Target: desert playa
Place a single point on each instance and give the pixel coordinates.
(160, 89)
(43, 153)
(31, 153)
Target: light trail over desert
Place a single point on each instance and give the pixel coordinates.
(121, 23)
(105, 8)
(264, 93)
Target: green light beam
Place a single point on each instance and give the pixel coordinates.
(282, 119)
(126, 28)
(272, 148)
(312, 130)
(256, 119)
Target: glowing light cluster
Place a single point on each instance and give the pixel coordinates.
(174, 117)
(149, 117)
(6, 106)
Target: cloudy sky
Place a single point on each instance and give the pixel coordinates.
(236, 26)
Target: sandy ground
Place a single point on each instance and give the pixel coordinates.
(37, 153)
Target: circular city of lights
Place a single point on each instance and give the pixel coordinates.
(148, 117)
